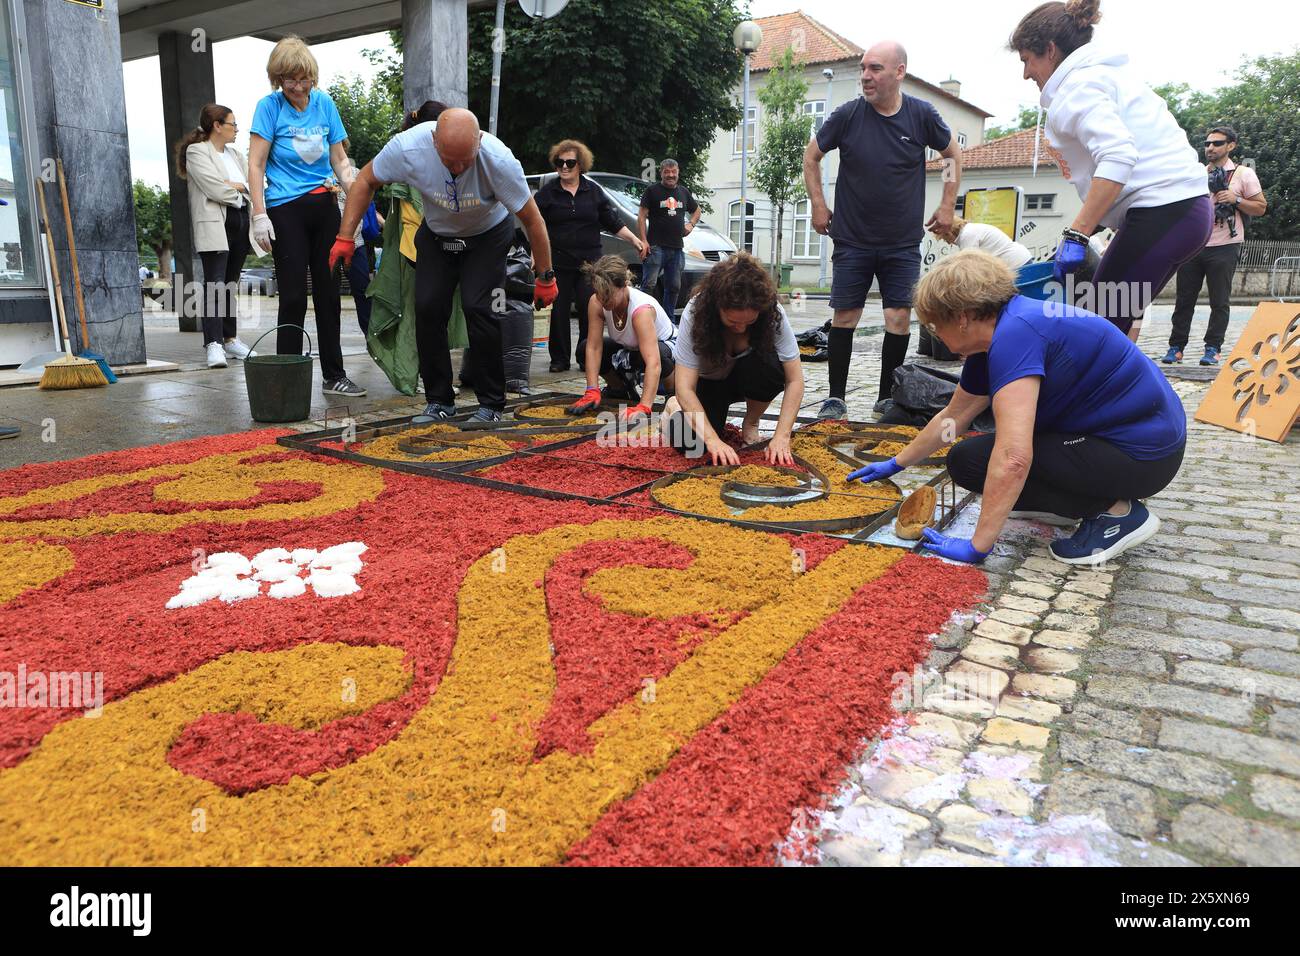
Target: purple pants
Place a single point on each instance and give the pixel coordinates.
(1151, 244)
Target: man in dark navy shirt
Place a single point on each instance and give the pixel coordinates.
(879, 204)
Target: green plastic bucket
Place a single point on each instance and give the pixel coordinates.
(279, 386)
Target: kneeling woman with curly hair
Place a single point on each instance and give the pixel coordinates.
(734, 343)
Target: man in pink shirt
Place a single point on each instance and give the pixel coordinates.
(1215, 264)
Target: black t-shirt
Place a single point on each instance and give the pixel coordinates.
(668, 212)
(880, 190)
(574, 221)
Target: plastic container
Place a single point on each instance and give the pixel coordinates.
(279, 386)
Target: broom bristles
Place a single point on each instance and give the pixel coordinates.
(72, 373)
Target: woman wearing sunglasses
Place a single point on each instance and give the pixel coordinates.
(1128, 158)
(575, 210)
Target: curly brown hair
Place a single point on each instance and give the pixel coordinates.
(737, 282)
(585, 159)
(1068, 25)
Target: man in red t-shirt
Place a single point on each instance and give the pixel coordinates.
(1215, 264)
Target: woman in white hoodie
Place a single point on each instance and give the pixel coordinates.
(1129, 160)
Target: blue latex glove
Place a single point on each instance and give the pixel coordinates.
(876, 471)
(955, 549)
(1069, 258)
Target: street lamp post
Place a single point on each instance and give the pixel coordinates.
(824, 278)
(747, 38)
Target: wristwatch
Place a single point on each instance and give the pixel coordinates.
(546, 276)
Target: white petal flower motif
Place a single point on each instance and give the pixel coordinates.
(231, 577)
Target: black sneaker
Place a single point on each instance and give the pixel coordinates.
(434, 412)
(486, 415)
(344, 386)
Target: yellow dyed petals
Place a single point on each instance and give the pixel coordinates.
(29, 564)
(217, 478)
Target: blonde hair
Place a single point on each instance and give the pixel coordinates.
(289, 58)
(607, 275)
(585, 159)
(970, 281)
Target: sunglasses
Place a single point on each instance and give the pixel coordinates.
(1216, 142)
(565, 163)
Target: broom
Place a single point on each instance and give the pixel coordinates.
(69, 372)
(76, 282)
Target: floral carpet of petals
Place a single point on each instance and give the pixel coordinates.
(517, 681)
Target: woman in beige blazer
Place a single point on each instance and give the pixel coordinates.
(217, 175)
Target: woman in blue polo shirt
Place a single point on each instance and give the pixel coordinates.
(297, 142)
(1086, 424)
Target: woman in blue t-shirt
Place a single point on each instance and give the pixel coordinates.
(297, 145)
(1086, 424)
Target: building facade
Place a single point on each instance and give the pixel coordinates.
(1048, 202)
(819, 49)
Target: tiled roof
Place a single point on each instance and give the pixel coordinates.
(1010, 152)
(818, 43)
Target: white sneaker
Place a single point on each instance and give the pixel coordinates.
(216, 355)
(236, 349)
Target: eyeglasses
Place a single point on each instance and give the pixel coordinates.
(302, 84)
(232, 124)
(565, 163)
(1216, 142)
(452, 198)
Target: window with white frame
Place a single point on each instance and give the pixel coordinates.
(19, 249)
(733, 225)
(961, 140)
(807, 241)
(817, 110)
(1040, 202)
(748, 129)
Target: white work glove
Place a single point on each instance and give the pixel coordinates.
(263, 231)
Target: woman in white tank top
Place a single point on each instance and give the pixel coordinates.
(628, 334)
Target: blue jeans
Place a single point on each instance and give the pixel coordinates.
(671, 263)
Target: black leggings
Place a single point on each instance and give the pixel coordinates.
(753, 378)
(480, 271)
(305, 229)
(572, 289)
(1077, 476)
(221, 270)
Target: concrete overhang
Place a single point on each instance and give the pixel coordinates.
(316, 21)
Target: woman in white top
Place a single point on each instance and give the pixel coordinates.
(979, 235)
(217, 175)
(628, 332)
(1129, 160)
(734, 344)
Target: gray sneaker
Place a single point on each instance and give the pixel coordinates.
(434, 412)
(486, 415)
(833, 408)
(344, 386)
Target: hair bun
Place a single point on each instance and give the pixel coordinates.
(1086, 13)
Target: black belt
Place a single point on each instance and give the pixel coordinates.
(458, 244)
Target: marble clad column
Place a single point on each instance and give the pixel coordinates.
(188, 85)
(75, 58)
(435, 52)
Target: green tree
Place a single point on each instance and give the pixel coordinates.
(635, 81)
(369, 114)
(1263, 106)
(778, 168)
(1025, 119)
(153, 224)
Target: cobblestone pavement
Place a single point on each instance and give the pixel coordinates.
(1145, 713)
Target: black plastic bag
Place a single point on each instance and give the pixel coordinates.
(921, 392)
(516, 325)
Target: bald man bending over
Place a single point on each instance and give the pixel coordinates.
(879, 203)
(471, 183)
